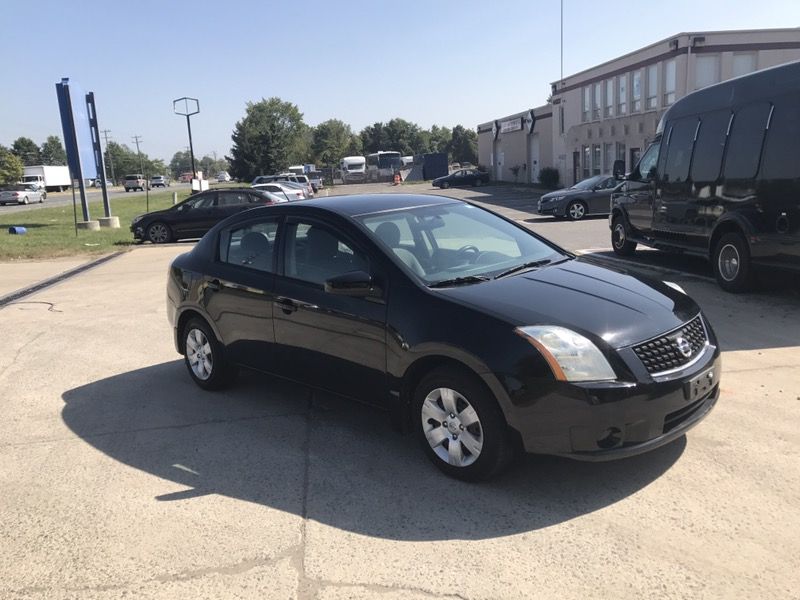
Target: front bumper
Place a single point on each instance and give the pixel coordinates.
(555, 209)
(138, 232)
(612, 420)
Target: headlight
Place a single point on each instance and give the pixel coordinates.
(137, 219)
(675, 286)
(571, 356)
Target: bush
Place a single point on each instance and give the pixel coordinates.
(549, 177)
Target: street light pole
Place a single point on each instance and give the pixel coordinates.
(188, 107)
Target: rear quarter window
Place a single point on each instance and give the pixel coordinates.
(745, 141)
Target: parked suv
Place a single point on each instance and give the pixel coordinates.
(721, 180)
(134, 182)
(159, 181)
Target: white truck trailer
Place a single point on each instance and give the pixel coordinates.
(49, 178)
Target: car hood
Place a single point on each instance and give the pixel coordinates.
(612, 305)
(563, 193)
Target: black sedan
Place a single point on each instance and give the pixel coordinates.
(193, 217)
(460, 178)
(477, 334)
(591, 196)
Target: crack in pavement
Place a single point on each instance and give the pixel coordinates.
(19, 351)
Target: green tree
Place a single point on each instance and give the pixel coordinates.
(52, 152)
(464, 145)
(27, 151)
(268, 139)
(374, 138)
(128, 161)
(181, 163)
(332, 140)
(11, 167)
(440, 139)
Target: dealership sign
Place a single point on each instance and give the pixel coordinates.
(509, 126)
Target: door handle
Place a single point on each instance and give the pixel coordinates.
(214, 285)
(287, 305)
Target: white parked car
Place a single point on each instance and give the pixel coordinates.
(290, 192)
(20, 193)
(223, 177)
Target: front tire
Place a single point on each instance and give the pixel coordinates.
(576, 210)
(159, 233)
(444, 185)
(460, 425)
(619, 238)
(25, 200)
(731, 263)
(205, 358)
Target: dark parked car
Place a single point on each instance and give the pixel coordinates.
(721, 179)
(473, 331)
(460, 178)
(591, 196)
(193, 217)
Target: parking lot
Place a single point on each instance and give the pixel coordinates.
(120, 477)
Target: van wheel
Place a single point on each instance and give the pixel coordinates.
(619, 238)
(460, 425)
(731, 263)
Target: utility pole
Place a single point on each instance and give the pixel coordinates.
(137, 139)
(105, 133)
(562, 41)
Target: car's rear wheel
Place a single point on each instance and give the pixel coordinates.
(159, 233)
(444, 185)
(460, 425)
(204, 357)
(25, 200)
(731, 263)
(576, 210)
(619, 238)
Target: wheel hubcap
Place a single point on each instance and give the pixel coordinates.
(728, 262)
(158, 234)
(619, 235)
(198, 353)
(576, 211)
(452, 427)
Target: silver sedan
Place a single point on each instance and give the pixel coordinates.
(20, 194)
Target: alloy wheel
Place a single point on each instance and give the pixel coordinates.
(576, 211)
(452, 427)
(619, 235)
(199, 354)
(728, 262)
(158, 233)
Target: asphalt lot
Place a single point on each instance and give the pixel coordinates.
(120, 477)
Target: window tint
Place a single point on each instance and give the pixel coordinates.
(647, 165)
(204, 201)
(232, 198)
(251, 246)
(744, 144)
(315, 253)
(781, 158)
(679, 151)
(710, 146)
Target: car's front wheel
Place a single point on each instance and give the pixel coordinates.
(460, 425)
(619, 238)
(159, 233)
(204, 357)
(576, 210)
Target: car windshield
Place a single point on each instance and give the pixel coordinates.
(456, 241)
(588, 184)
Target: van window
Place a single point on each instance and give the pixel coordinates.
(710, 146)
(680, 140)
(781, 158)
(744, 144)
(647, 165)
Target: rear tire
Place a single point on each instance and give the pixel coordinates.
(619, 238)
(25, 200)
(205, 357)
(460, 425)
(731, 264)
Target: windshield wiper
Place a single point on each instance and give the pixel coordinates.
(458, 281)
(528, 265)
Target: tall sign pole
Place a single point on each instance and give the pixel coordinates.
(188, 107)
(98, 151)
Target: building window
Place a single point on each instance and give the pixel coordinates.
(596, 159)
(587, 102)
(652, 86)
(598, 98)
(636, 102)
(706, 70)
(669, 82)
(608, 155)
(744, 63)
(620, 151)
(561, 120)
(609, 107)
(587, 159)
(622, 98)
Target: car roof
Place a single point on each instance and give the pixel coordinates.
(361, 204)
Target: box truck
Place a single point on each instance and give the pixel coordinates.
(49, 178)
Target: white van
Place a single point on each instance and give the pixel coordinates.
(354, 169)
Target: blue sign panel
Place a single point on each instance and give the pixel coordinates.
(77, 130)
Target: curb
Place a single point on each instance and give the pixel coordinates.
(46, 283)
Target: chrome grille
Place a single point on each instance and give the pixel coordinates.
(674, 349)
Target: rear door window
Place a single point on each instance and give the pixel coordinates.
(710, 146)
(781, 158)
(745, 141)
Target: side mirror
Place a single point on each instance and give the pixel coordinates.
(354, 283)
(619, 169)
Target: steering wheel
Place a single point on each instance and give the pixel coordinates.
(465, 251)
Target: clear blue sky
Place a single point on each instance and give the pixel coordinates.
(432, 62)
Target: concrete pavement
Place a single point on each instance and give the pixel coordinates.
(120, 477)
